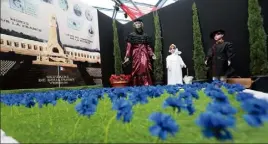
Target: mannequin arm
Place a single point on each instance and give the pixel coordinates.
(167, 63)
(128, 50)
(150, 50)
(182, 64)
(229, 51)
(209, 54)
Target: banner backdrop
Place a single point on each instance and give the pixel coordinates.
(49, 43)
(77, 22)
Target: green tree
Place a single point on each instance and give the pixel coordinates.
(198, 51)
(158, 63)
(117, 53)
(257, 39)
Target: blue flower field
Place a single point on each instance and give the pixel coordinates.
(196, 113)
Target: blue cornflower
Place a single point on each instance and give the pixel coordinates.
(112, 96)
(199, 86)
(124, 109)
(7, 99)
(155, 91)
(87, 106)
(231, 91)
(98, 93)
(120, 92)
(211, 90)
(138, 97)
(222, 108)
(215, 125)
(28, 100)
(190, 108)
(13, 99)
(189, 92)
(45, 99)
(186, 99)
(232, 88)
(172, 89)
(69, 97)
(217, 96)
(164, 124)
(257, 111)
(175, 103)
(242, 96)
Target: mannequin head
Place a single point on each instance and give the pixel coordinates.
(217, 35)
(172, 48)
(138, 26)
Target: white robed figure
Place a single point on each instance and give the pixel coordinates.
(174, 66)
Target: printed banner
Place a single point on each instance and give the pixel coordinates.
(77, 22)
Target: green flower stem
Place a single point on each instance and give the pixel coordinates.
(107, 128)
(17, 111)
(11, 111)
(66, 105)
(157, 140)
(50, 117)
(38, 118)
(75, 126)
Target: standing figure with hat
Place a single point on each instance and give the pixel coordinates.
(138, 48)
(219, 56)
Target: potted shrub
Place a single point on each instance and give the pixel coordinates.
(198, 51)
(118, 79)
(257, 41)
(158, 63)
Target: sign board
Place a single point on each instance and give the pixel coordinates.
(77, 22)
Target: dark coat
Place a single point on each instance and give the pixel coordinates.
(217, 58)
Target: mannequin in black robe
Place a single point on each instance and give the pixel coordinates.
(219, 56)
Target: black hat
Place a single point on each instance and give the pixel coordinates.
(137, 20)
(220, 31)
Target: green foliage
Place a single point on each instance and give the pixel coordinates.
(257, 39)
(117, 53)
(158, 63)
(62, 124)
(198, 51)
(48, 89)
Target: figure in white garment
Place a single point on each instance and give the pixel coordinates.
(174, 66)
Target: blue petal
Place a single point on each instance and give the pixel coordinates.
(155, 130)
(163, 135)
(208, 133)
(155, 117)
(252, 120)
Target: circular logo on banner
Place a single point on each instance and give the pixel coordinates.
(77, 10)
(74, 24)
(64, 5)
(17, 5)
(88, 15)
(90, 31)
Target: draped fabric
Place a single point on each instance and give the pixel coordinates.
(174, 67)
(218, 57)
(138, 47)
